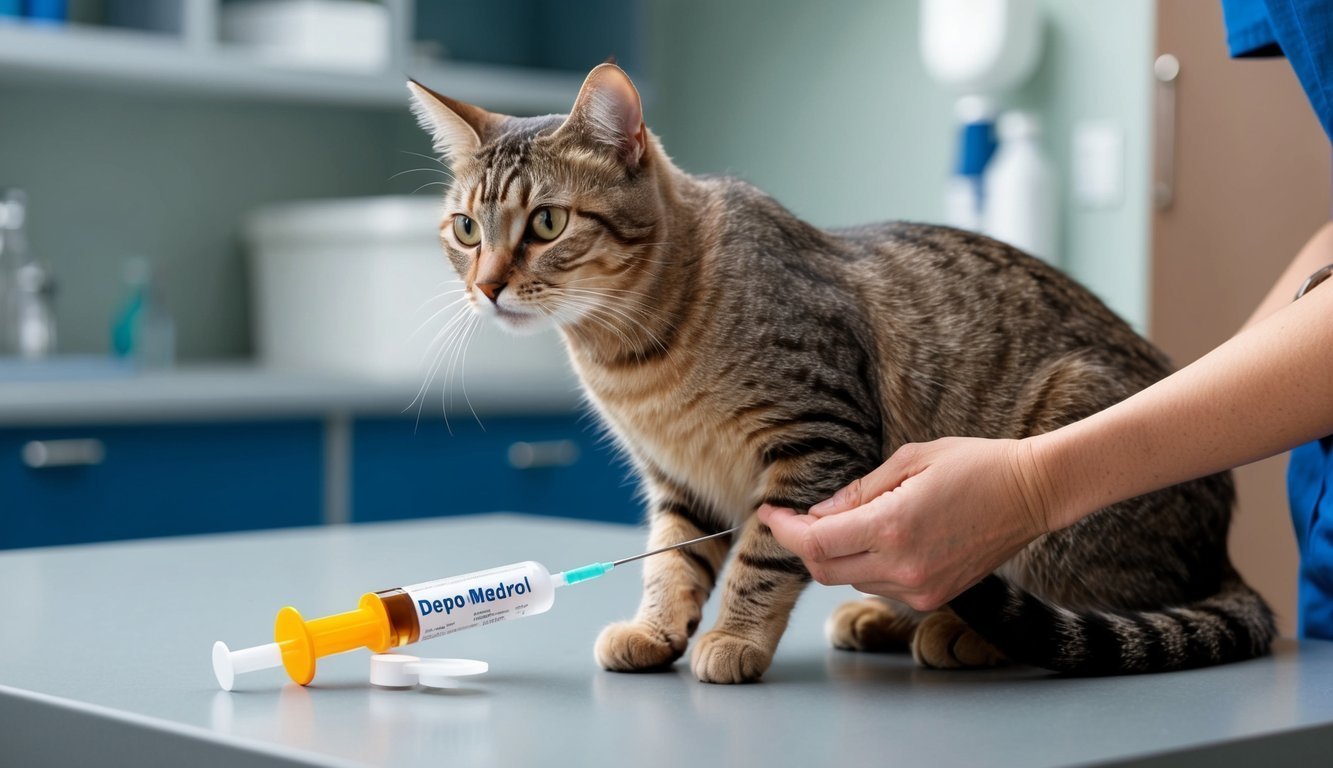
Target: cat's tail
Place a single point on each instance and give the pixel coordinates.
(1232, 625)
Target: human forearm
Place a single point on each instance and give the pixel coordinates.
(1265, 390)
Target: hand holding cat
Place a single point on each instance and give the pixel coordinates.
(928, 523)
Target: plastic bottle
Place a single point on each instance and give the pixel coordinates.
(27, 314)
(1020, 189)
(964, 198)
(144, 330)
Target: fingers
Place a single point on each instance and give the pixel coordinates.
(846, 549)
(829, 546)
(887, 476)
(787, 525)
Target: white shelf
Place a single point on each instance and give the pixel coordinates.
(159, 63)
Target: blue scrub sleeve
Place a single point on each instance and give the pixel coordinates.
(1301, 30)
(1311, 502)
(1304, 30)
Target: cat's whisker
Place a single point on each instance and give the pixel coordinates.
(457, 344)
(439, 312)
(608, 294)
(435, 160)
(612, 311)
(420, 400)
(442, 338)
(462, 373)
(419, 170)
(449, 325)
(626, 314)
(588, 310)
(450, 343)
(634, 323)
(607, 317)
(430, 184)
(439, 297)
(625, 291)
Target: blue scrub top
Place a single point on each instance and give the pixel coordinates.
(1302, 30)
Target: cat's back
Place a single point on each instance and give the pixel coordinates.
(955, 292)
(967, 292)
(968, 328)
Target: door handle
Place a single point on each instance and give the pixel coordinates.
(49, 454)
(545, 454)
(1165, 71)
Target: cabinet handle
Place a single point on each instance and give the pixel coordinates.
(47, 454)
(1165, 69)
(543, 455)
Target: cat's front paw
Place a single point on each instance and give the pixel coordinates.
(870, 625)
(944, 641)
(628, 646)
(720, 657)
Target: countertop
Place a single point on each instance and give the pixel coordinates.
(111, 395)
(104, 659)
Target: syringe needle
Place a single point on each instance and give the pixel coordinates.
(594, 570)
(676, 546)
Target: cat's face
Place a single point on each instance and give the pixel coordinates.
(548, 218)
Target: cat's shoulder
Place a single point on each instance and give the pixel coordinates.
(741, 214)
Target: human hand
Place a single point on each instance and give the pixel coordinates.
(927, 524)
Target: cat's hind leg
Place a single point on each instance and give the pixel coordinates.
(675, 587)
(944, 641)
(872, 624)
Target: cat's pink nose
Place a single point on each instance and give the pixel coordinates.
(492, 290)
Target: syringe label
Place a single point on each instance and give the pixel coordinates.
(449, 605)
(475, 596)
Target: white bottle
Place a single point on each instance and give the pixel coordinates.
(975, 149)
(1020, 202)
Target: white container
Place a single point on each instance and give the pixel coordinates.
(980, 46)
(351, 286)
(344, 35)
(1021, 206)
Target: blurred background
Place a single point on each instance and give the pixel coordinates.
(224, 306)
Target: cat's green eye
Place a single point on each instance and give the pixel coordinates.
(466, 230)
(549, 222)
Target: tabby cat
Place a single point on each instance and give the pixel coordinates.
(742, 356)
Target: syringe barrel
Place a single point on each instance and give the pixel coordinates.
(455, 603)
(396, 617)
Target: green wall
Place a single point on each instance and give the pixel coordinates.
(111, 175)
(827, 107)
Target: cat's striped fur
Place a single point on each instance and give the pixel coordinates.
(742, 356)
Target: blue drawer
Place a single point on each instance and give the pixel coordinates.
(547, 465)
(158, 480)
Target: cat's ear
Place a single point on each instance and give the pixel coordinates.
(457, 129)
(608, 111)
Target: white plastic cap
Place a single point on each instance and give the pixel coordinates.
(227, 664)
(399, 670)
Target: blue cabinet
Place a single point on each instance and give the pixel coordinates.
(66, 485)
(548, 465)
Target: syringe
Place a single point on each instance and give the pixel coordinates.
(395, 617)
